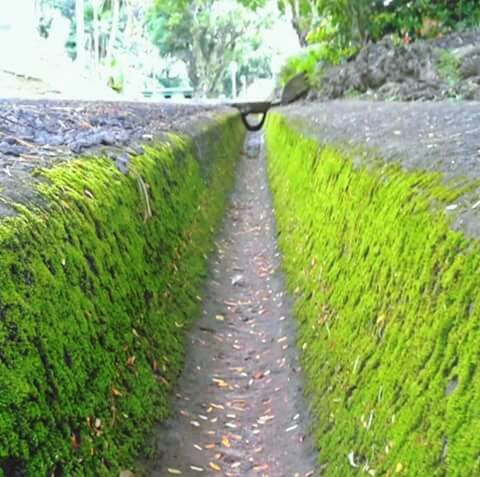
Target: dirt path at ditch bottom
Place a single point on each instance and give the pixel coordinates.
(239, 408)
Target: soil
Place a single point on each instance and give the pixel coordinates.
(439, 137)
(42, 133)
(239, 408)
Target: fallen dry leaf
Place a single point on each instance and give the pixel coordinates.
(172, 471)
(116, 392)
(226, 442)
(220, 383)
(197, 469)
(126, 473)
(215, 466)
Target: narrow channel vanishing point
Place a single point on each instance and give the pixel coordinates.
(239, 409)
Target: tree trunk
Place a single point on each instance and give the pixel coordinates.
(97, 4)
(297, 21)
(114, 31)
(358, 11)
(80, 33)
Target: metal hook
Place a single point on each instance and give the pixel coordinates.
(253, 127)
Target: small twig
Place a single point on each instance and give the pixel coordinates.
(28, 156)
(20, 141)
(24, 143)
(144, 191)
(9, 120)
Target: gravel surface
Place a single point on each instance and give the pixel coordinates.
(435, 136)
(41, 133)
(239, 408)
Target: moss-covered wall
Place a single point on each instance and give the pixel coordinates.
(95, 295)
(388, 304)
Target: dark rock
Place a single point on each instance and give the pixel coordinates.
(470, 66)
(11, 149)
(476, 94)
(78, 146)
(386, 70)
(108, 139)
(10, 140)
(457, 40)
(296, 88)
(121, 161)
(451, 386)
(122, 136)
(136, 149)
(56, 139)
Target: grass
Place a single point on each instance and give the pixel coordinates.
(448, 66)
(387, 297)
(95, 297)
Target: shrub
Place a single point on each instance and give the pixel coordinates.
(448, 66)
(312, 59)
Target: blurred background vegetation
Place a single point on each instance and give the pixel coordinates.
(217, 48)
(332, 31)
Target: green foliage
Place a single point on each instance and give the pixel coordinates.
(207, 35)
(325, 32)
(324, 49)
(353, 19)
(358, 21)
(253, 4)
(312, 59)
(305, 16)
(388, 305)
(412, 16)
(95, 297)
(305, 62)
(448, 66)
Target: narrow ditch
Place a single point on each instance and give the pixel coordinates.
(239, 408)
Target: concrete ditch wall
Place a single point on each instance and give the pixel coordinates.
(98, 283)
(386, 291)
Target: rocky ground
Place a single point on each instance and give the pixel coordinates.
(36, 127)
(40, 133)
(445, 67)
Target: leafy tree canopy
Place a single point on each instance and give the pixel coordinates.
(208, 35)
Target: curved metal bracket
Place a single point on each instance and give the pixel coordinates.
(253, 127)
(295, 89)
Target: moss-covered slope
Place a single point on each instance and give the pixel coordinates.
(388, 303)
(96, 291)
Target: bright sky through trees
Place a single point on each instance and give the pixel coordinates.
(125, 50)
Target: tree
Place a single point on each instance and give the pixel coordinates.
(80, 31)
(352, 17)
(359, 21)
(304, 15)
(114, 30)
(207, 35)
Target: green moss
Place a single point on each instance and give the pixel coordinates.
(387, 298)
(94, 300)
